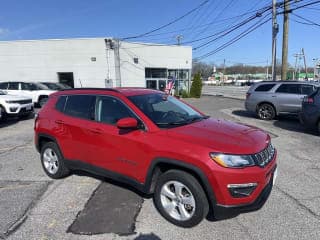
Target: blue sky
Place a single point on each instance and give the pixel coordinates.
(44, 19)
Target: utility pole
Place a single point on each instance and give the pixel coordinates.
(267, 77)
(275, 29)
(285, 33)
(305, 63)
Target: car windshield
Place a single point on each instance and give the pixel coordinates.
(39, 86)
(166, 111)
(53, 86)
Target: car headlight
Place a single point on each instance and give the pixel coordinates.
(232, 161)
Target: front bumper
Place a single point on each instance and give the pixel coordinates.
(19, 109)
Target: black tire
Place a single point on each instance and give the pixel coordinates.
(61, 169)
(200, 202)
(42, 101)
(3, 114)
(266, 111)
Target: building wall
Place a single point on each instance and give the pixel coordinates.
(41, 61)
(151, 56)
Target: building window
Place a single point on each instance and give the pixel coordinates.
(136, 60)
(156, 73)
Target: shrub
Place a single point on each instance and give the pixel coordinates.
(196, 86)
(185, 94)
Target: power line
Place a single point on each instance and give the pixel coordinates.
(305, 19)
(168, 24)
(235, 39)
(300, 6)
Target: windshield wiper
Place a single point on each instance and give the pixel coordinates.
(180, 123)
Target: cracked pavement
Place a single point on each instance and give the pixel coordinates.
(32, 206)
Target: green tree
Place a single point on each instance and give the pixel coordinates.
(196, 86)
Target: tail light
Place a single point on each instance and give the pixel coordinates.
(308, 100)
(248, 95)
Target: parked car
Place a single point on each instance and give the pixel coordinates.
(189, 162)
(55, 85)
(11, 105)
(310, 114)
(38, 92)
(269, 99)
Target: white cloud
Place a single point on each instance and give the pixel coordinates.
(3, 31)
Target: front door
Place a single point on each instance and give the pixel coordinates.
(120, 151)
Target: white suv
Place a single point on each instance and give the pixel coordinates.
(36, 91)
(11, 105)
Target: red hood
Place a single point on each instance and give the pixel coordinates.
(223, 136)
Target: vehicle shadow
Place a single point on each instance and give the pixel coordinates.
(244, 113)
(112, 182)
(8, 122)
(292, 124)
(151, 236)
(286, 122)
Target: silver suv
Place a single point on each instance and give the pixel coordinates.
(269, 99)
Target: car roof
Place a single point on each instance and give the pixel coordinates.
(126, 91)
(287, 81)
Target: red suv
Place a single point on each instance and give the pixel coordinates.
(162, 146)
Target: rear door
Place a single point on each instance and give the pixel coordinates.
(73, 126)
(288, 97)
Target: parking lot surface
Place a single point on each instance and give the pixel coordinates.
(82, 206)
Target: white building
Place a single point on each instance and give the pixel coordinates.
(95, 62)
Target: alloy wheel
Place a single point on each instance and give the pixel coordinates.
(50, 161)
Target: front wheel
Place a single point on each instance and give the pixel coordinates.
(3, 114)
(266, 111)
(42, 101)
(180, 199)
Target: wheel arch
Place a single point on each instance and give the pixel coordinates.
(161, 165)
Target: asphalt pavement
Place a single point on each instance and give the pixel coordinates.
(82, 206)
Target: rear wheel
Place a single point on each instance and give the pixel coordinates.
(52, 161)
(266, 111)
(180, 198)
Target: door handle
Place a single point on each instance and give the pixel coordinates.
(59, 121)
(96, 130)
(273, 96)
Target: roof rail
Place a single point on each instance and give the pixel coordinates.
(75, 89)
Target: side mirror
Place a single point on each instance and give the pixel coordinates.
(127, 123)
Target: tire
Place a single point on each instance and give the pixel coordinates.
(42, 101)
(184, 197)
(3, 114)
(52, 161)
(266, 111)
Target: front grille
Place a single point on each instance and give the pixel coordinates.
(265, 156)
(21, 101)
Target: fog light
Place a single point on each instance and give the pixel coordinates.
(241, 190)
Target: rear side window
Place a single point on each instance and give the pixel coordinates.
(264, 88)
(80, 106)
(3, 85)
(61, 103)
(289, 88)
(13, 86)
(307, 89)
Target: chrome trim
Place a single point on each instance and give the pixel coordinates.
(242, 185)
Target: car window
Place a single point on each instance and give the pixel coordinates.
(25, 86)
(61, 103)
(3, 85)
(307, 89)
(289, 88)
(13, 86)
(109, 110)
(264, 87)
(80, 106)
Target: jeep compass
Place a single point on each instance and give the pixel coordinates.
(191, 163)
